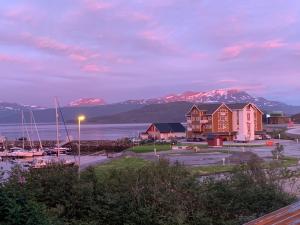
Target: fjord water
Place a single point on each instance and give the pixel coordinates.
(88, 131)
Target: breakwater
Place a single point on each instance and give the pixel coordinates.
(87, 146)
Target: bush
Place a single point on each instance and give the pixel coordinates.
(156, 194)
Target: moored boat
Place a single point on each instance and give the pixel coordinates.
(19, 153)
(38, 152)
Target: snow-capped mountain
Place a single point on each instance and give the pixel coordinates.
(87, 102)
(8, 106)
(220, 95)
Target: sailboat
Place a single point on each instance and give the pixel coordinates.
(36, 151)
(17, 151)
(58, 149)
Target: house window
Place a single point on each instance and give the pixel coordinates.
(248, 116)
(223, 119)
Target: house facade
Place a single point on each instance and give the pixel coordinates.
(164, 131)
(205, 119)
(247, 120)
(239, 121)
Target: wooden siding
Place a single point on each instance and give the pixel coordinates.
(217, 125)
(259, 120)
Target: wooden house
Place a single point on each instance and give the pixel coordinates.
(164, 131)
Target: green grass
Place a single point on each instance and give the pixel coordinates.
(213, 169)
(136, 163)
(119, 164)
(150, 148)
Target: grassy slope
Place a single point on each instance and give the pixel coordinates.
(131, 162)
(122, 163)
(168, 112)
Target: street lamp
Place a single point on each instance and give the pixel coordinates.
(80, 119)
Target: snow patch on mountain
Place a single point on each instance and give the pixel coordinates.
(87, 102)
(219, 95)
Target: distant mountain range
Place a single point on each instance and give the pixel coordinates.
(170, 108)
(220, 95)
(87, 102)
(17, 107)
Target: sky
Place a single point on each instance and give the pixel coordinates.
(132, 49)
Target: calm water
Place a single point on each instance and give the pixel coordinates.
(88, 131)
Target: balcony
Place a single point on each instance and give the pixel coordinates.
(203, 121)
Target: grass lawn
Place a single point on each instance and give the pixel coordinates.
(150, 148)
(131, 162)
(119, 164)
(206, 170)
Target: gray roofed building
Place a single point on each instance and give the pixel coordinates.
(169, 127)
(164, 131)
(239, 105)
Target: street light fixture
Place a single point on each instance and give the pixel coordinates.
(80, 119)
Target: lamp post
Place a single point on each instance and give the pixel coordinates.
(80, 119)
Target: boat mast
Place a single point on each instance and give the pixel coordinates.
(57, 126)
(28, 135)
(23, 131)
(36, 129)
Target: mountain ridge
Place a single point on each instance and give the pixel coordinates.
(218, 95)
(143, 110)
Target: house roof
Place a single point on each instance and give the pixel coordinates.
(240, 105)
(169, 127)
(287, 215)
(210, 108)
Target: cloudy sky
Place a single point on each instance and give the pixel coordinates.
(130, 49)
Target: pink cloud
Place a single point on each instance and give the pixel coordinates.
(136, 16)
(93, 68)
(251, 87)
(198, 56)
(5, 58)
(56, 47)
(152, 35)
(12, 59)
(159, 40)
(271, 44)
(235, 51)
(78, 57)
(21, 13)
(228, 81)
(95, 5)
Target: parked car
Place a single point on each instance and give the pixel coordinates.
(198, 139)
(266, 137)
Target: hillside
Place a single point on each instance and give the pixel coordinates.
(168, 112)
(70, 113)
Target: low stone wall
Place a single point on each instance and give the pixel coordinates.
(86, 146)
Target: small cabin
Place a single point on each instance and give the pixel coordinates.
(214, 141)
(164, 131)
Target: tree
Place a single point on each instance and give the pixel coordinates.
(278, 151)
